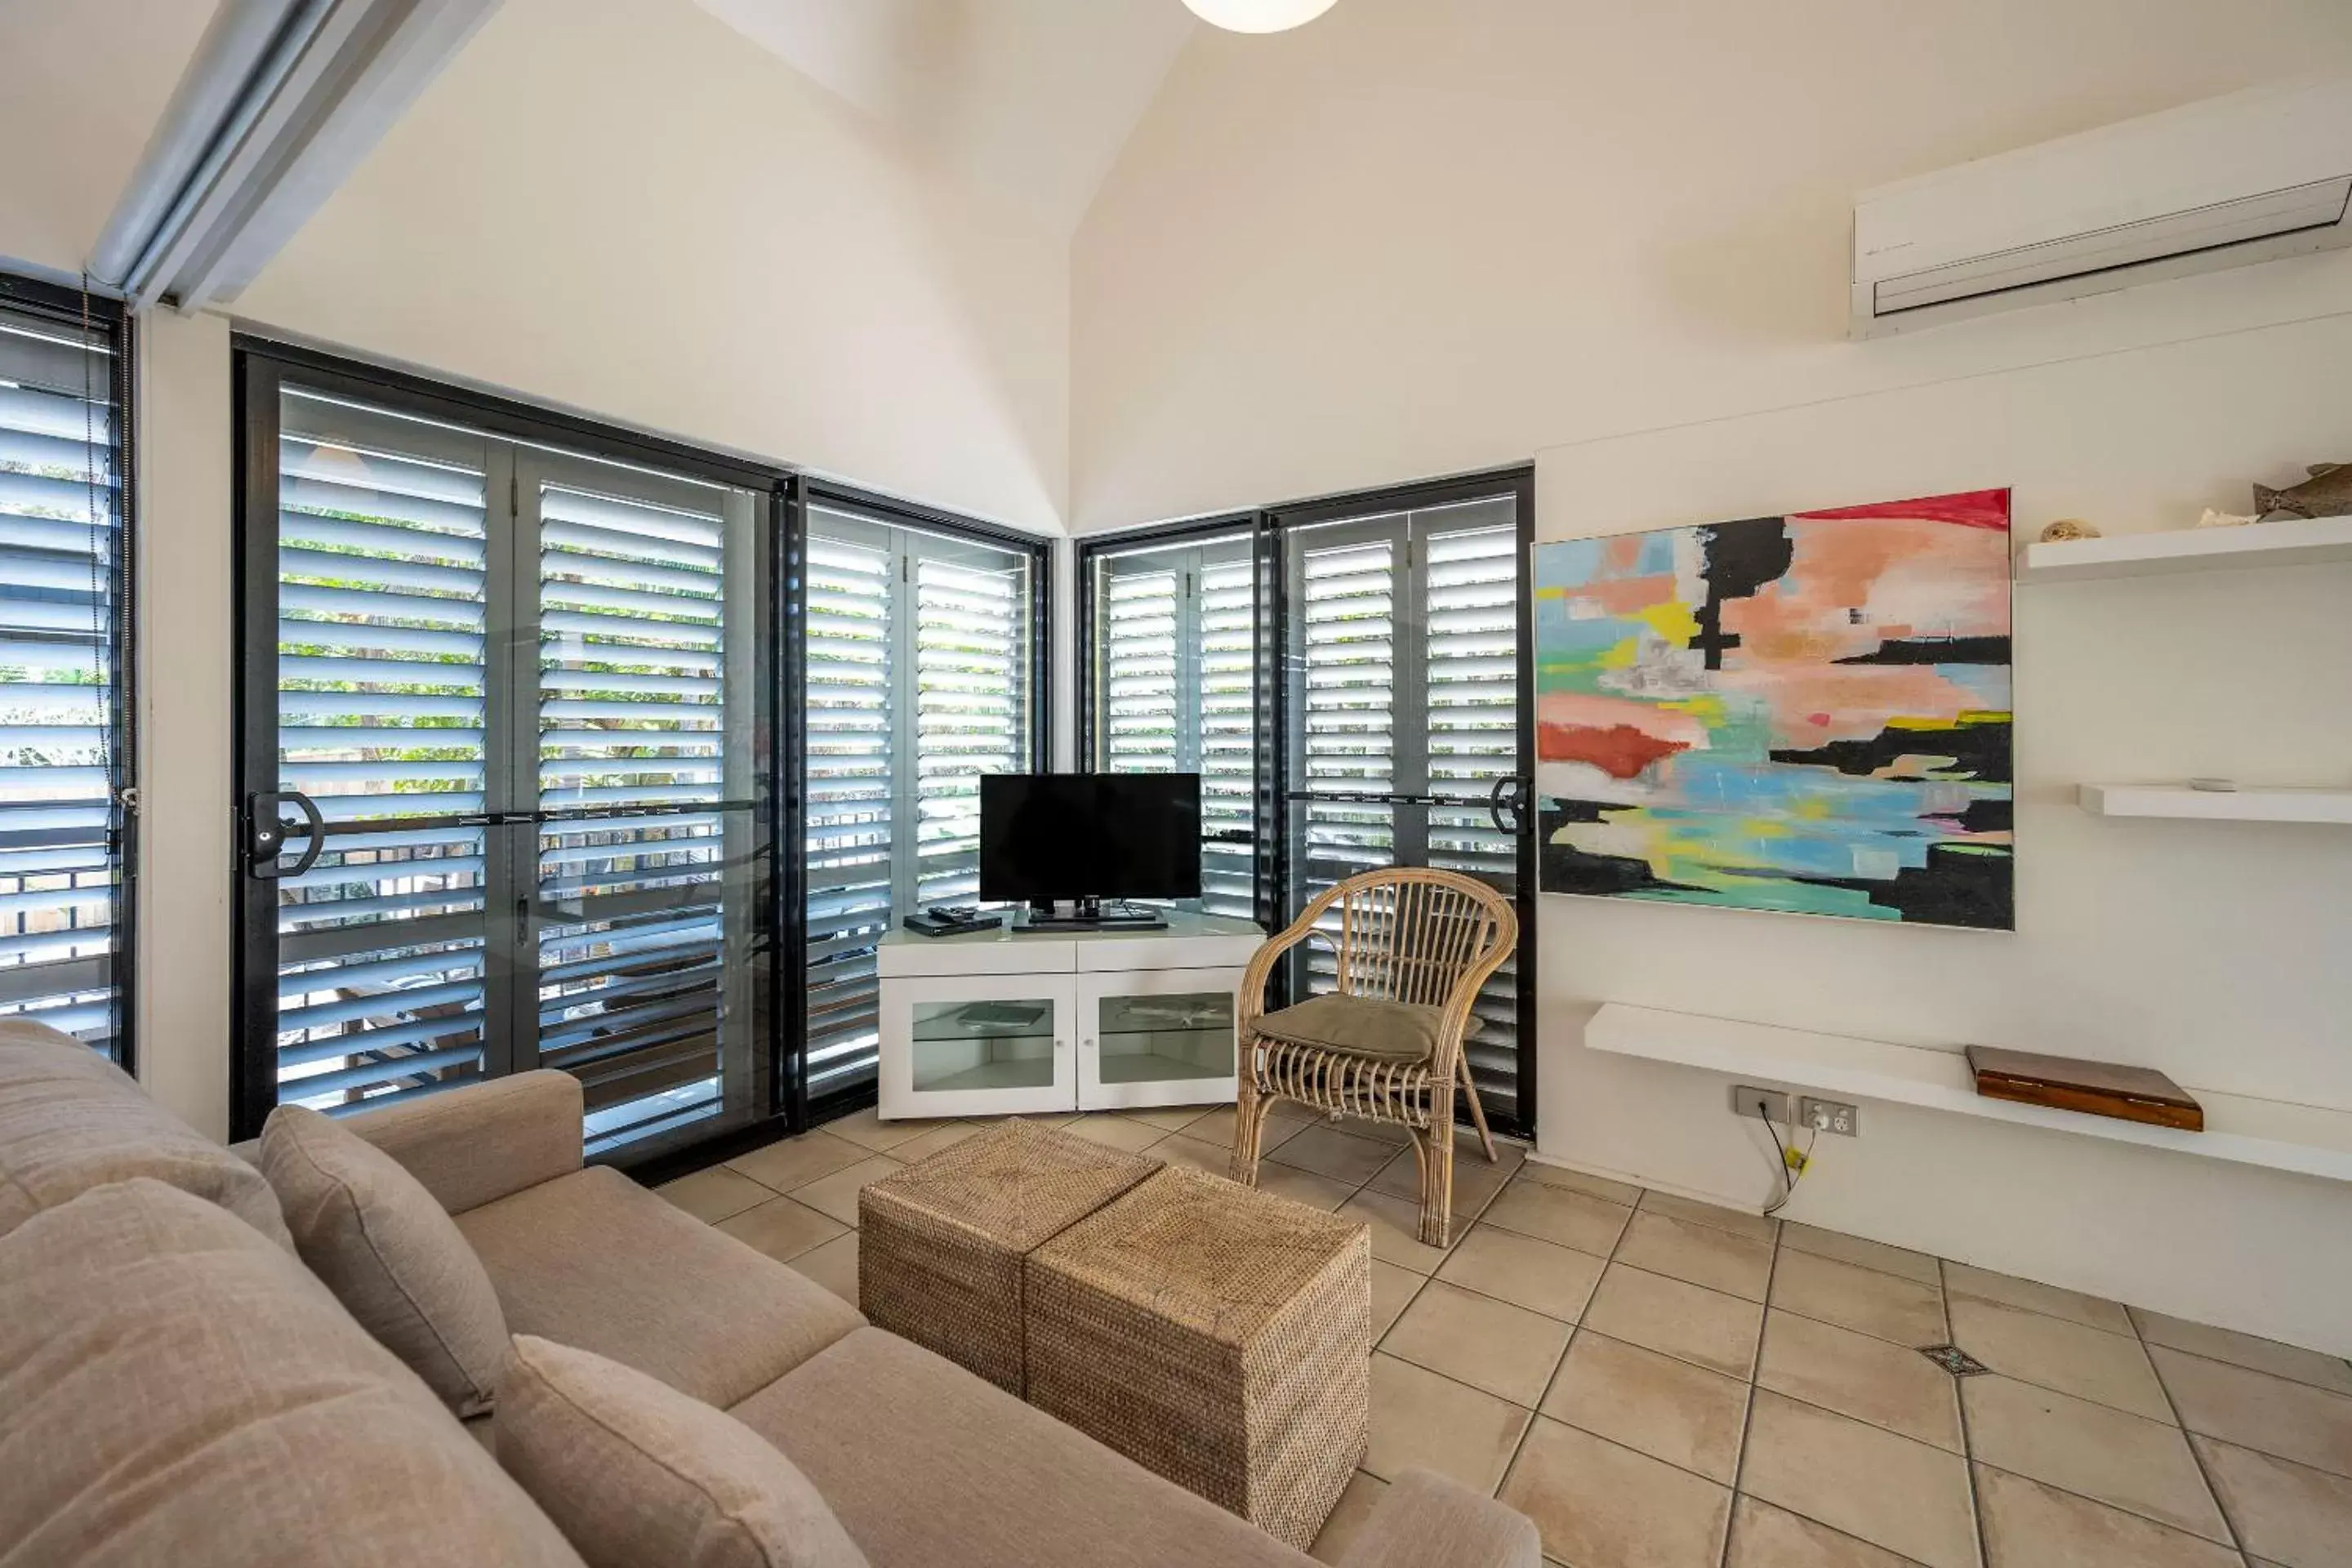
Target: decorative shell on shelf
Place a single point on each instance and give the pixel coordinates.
(2225, 520)
(2068, 528)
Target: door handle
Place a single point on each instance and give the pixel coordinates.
(1507, 795)
(266, 833)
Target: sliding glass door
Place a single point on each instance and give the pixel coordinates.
(501, 719)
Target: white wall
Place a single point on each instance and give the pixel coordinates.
(626, 208)
(1412, 239)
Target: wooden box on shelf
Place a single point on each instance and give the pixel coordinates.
(2098, 1088)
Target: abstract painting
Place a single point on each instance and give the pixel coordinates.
(1807, 713)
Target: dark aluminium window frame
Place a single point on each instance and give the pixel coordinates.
(1273, 607)
(260, 363)
(79, 309)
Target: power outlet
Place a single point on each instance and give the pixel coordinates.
(1829, 1116)
(1748, 1102)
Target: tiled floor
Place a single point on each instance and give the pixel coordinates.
(1664, 1384)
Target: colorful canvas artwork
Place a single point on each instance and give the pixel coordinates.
(1807, 713)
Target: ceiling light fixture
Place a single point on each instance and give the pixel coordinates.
(1257, 15)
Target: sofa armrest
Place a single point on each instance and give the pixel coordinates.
(1425, 1518)
(474, 1145)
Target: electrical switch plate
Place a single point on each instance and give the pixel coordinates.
(1829, 1116)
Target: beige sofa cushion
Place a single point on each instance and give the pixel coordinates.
(925, 1464)
(174, 1389)
(474, 1145)
(390, 1253)
(635, 1473)
(71, 1121)
(594, 1260)
(1361, 1026)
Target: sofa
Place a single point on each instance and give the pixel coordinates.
(177, 1385)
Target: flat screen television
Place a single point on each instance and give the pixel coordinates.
(1056, 838)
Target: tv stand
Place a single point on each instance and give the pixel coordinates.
(1090, 914)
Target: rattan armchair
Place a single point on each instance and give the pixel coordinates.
(1403, 934)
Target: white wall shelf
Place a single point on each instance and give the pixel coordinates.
(2312, 1139)
(2295, 542)
(2320, 805)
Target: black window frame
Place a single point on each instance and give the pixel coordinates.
(81, 309)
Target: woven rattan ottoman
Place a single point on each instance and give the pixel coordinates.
(941, 1244)
(1218, 1335)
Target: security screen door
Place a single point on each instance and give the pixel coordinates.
(500, 711)
(1407, 741)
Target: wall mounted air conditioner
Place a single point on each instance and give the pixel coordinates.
(2245, 178)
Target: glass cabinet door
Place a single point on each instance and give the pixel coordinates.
(1157, 1037)
(977, 1044)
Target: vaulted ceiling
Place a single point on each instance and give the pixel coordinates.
(1030, 99)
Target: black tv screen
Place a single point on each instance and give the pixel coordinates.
(1048, 837)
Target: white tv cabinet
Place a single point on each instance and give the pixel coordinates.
(1010, 1023)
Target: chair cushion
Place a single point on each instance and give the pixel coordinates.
(635, 1473)
(71, 1121)
(1360, 1026)
(176, 1389)
(592, 1259)
(926, 1464)
(390, 1253)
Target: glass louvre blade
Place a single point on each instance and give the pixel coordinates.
(850, 799)
(383, 711)
(633, 915)
(60, 540)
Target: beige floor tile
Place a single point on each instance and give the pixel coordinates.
(1396, 1229)
(1725, 1261)
(1183, 1149)
(2285, 1513)
(2255, 1410)
(1561, 1215)
(1050, 1120)
(870, 1132)
(1688, 1322)
(1421, 1418)
(2289, 1362)
(923, 1145)
(1881, 1305)
(1537, 1275)
(1576, 1181)
(1349, 1516)
(1983, 1284)
(1598, 1503)
(833, 1265)
(835, 1196)
(1393, 1289)
(711, 1195)
(781, 1228)
(1763, 1536)
(1301, 1187)
(2091, 1450)
(1475, 1182)
(2056, 1353)
(1507, 1350)
(2027, 1525)
(1114, 1131)
(1755, 1225)
(796, 1161)
(1394, 1134)
(1167, 1118)
(1853, 1249)
(1666, 1408)
(1217, 1127)
(1857, 1375)
(1906, 1497)
(1328, 1151)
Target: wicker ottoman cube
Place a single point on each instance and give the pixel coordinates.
(941, 1244)
(1218, 1335)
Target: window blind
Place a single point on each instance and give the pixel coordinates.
(1228, 750)
(61, 548)
(971, 620)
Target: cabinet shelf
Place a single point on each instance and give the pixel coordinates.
(2331, 806)
(2297, 542)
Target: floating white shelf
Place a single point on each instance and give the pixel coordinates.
(2312, 1140)
(2295, 541)
(2323, 805)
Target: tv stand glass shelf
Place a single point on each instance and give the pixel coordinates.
(1009, 1022)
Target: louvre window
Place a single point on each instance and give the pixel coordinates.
(63, 744)
(919, 678)
(1174, 662)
